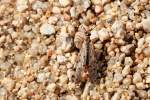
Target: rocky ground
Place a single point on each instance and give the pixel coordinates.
(40, 41)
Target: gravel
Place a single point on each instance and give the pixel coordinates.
(146, 23)
(41, 42)
(47, 29)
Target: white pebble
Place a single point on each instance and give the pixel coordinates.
(56, 10)
(137, 77)
(39, 5)
(3, 92)
(118, 77)
(146, 24)
(47, 29)
(22, 5)
(73, 12)
(51, 87)
(61, 59)
(128, 61)
(94, 36)
(64, 42)
(103, 34)
(41, 77)
(64, 3)
(98, 45)
(116, 96)
(86, 4)
(52, 20)
(118, 29)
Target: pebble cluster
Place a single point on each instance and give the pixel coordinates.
(39, 42)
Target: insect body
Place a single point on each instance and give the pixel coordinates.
(88, 64)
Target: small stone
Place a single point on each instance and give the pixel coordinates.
(5, 66)
(146, 24)
(19, 58)
(22, 5)
(103, 34)
(39, 5)
(73, 12)
(64, 3)
(98, 9)
(98, 45)
(3, 92)
(129, 26)
(52, 20)
(70, 74)
(71, 97)
(146, 52)
(64, 42)
(116, 96)
(86, 4)
(96, 2)
(142, 94)
(47, 29)
(118, 29)
(148, 79)
(56, 10)
(41, 77)
(51, 87)
(128, 61)
(94, 94)
(127, 81)
(94, 36)
(8, 83)
(2, 38)
(27, 28)
(126, 70)
(148, 70)
(147, 40)
(140, 85)
(23, 92)
(43, 61)
(61, 59)
(118, 77)
(127, 48)
(137, 77)
(63, 79)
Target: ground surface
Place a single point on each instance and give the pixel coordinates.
(40, 41)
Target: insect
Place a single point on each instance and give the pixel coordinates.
(88, 65)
